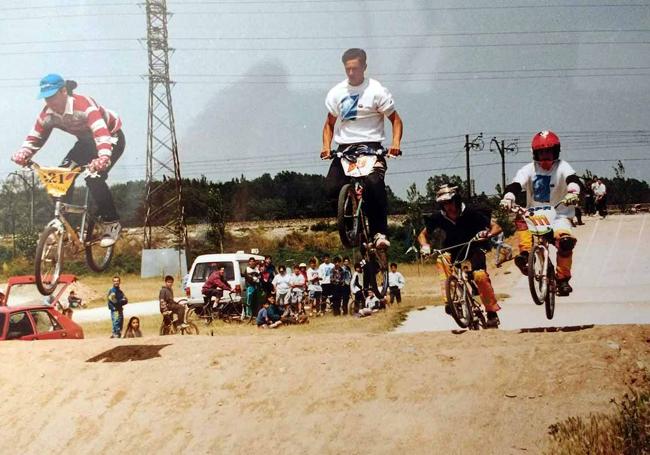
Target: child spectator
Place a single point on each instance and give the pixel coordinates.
(133, 328)
(314, 287)
(267, 273)
(282, 286)
(347, 279)
(396, 283)
(337, 281)
(356, 287)
(324, 273)
(263, 321)
(273, 312)
(252, 286)
(503, 251)
(67, 312)
(372, 304)
(74, 301)
(297, 284)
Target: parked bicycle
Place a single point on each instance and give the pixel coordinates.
(170, 325)
(353, 222)
(541, 271)
(460, 288)
(228, 309)
(62, 238)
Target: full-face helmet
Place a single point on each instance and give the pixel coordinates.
(545, 140)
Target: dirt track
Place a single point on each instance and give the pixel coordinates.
(487, 392)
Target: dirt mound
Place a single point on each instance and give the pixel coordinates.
(276, 392)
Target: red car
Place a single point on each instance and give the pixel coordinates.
(24, 315)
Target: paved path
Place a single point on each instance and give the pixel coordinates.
(611, 282)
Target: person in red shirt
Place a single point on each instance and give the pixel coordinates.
(215, 285)
(100, 142)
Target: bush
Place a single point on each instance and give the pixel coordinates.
(624, 432)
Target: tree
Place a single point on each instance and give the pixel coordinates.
(216, 219)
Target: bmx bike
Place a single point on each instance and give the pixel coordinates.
(59, 237)
(358, 162)
(170, 326)
(541, 271)
(466, 311)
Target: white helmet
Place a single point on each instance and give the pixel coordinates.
(446, 193)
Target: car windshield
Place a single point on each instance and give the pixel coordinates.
(27, 295)
(202, 271)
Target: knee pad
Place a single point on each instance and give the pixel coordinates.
(566, 243)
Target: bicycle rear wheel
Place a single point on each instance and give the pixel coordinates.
(456, 301)
(98, 258)
(191, 329)
(549, 301)
(48, 262)
(346, 216)
(537, 279)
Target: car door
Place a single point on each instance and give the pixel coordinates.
(47, 328)
(20, 327)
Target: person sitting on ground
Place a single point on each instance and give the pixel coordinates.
(263, 321)
(133, 328)
(67, 312)
(372, 304)
(396, 283)
(74, 301)
(273, 311)
(214, 286)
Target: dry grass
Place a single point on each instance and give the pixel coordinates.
(95, 288)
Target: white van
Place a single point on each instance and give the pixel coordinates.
(235, 265)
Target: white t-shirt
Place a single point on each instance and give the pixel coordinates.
(313, 284)
(546, 187)
(325, 272)
(599, 189)
(372, 303)
(298, 280)
(360, 110)
(282, 283)
(396, 279)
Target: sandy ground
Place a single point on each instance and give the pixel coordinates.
(488, 392)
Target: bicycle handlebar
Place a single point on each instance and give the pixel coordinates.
(382, 152)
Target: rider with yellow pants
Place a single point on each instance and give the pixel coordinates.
(548, 180)
(462, 223)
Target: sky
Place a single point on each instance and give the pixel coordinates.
(250, 79)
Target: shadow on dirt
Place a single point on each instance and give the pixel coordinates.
(570, 328)
(129, 353)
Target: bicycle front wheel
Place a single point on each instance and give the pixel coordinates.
(191, 329)
(346, 215)
(98, 258)
(456, 301)
(549, 301)
(537, 278)
(48, 262)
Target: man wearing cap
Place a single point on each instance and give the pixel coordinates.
(100, 142)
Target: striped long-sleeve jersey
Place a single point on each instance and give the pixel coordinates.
(83, 118)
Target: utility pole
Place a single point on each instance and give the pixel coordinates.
(512, 147)
(164, 203)
(475, 144)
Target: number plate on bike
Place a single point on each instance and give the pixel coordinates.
(363, 165)
(57, 180)
(540, 219)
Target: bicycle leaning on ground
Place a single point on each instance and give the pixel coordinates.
(460, 288)
(170, 326)
(352, 220)
(541, 271)
(228, 309)
(59, 237)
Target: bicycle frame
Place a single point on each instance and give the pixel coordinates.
(61, 222)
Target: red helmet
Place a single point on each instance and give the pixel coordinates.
(545, 140)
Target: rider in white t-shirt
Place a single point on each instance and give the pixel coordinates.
(548, 180)
(360, 105)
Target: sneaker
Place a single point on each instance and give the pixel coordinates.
(381, 242)
(492, 320)
(111, 233)
(521, 261)
(564, 288)
(183, 326)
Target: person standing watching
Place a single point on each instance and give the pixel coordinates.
(396, 282)
(600, 193)
(116, 302)
(360, 105)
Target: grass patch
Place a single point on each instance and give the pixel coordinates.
(625, 431)
(135, 288)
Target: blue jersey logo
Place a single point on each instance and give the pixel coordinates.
(542, 188)
(349, 107)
